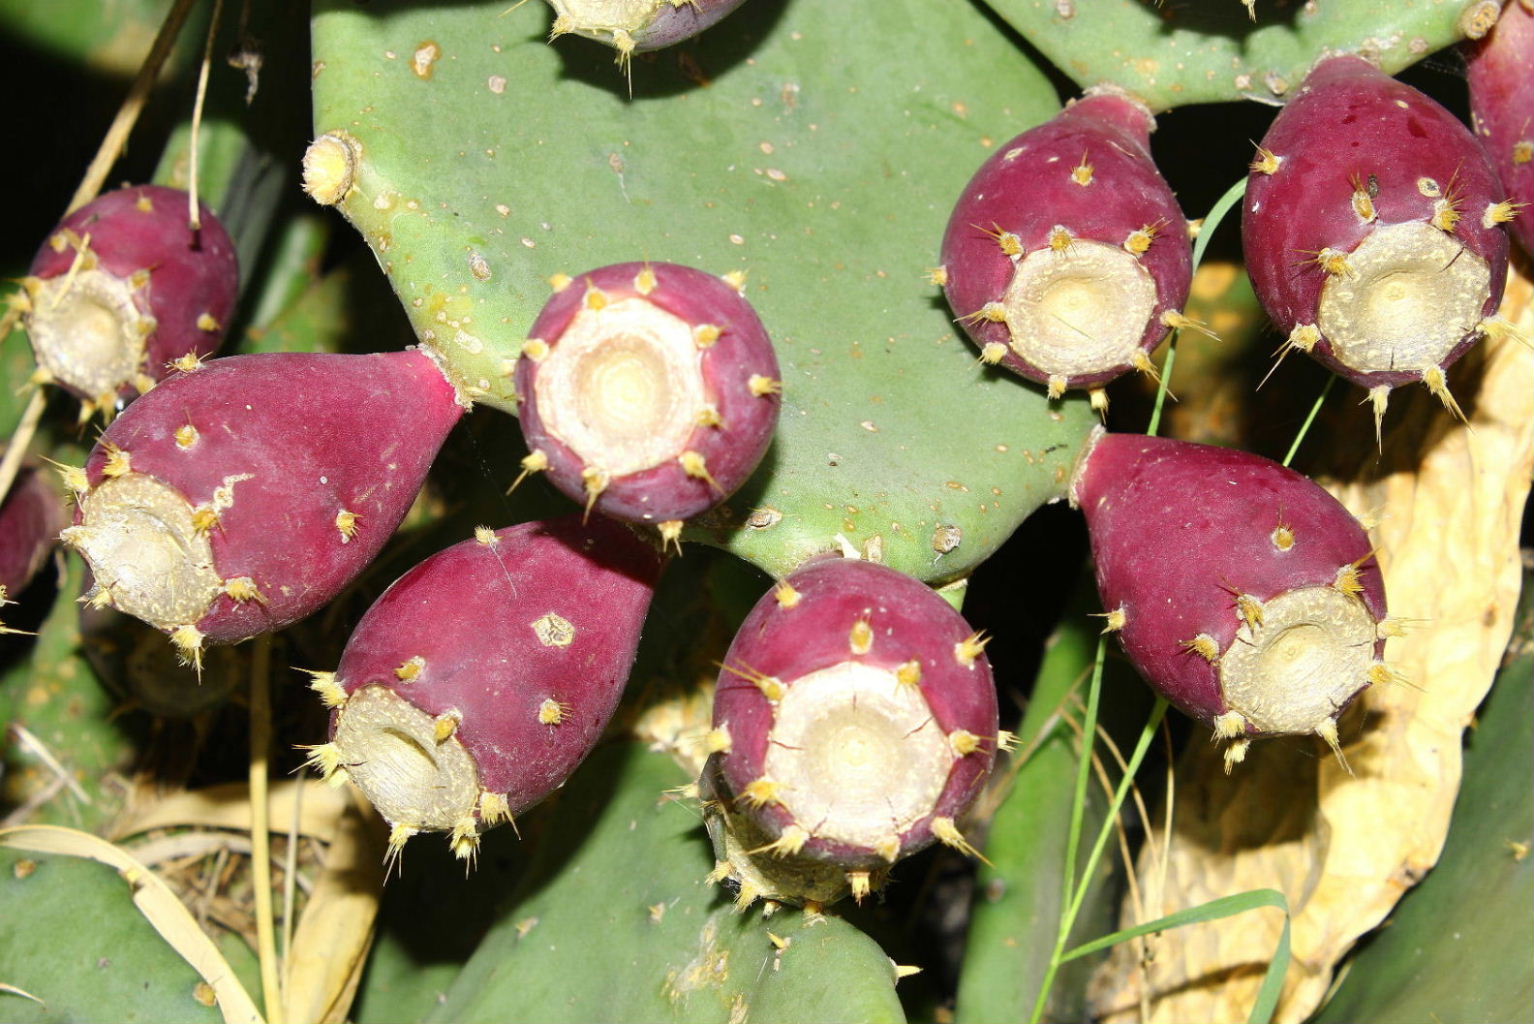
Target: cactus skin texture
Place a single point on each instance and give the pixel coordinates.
(30, 521)
(1066, 258)
(858, 713)
(453, 722)
(834, 268)
(241, 496)
(1501, 66)
(615, 921)
(637, 26)
(74, 939)
(1242, 591)
(648, 391)
(1373, 229)
(123, 287)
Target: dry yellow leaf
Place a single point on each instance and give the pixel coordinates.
(1447, 499)
(228, 806)
(331, 943)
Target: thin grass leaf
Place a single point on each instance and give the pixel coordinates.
(1226, 906)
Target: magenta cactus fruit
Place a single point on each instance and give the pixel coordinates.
(1374, 229)
(1241, 590)
(856, 717)
(454, 723)
(1501, 66)
(241, 496)
(1066, 257)
(30, 520)
(637, 26)
(647, 391)
(124, 287)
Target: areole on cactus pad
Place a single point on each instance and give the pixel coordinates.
(1374, 230)
(647, 391)
(455, 723)
(1242, 591)
(122, 288)
(1066, 257)
(243, 494)
(855, 721)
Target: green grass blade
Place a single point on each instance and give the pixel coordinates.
(1226, 906)
(1217, 214)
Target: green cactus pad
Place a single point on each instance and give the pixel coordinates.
(618, 892)
(784, 143)
(1016, 913)
(71, 937)
(55, 696)
(1170, 55)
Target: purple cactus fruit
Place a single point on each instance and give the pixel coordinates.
(241, 496)
(1067, 258)
(1501, 66)
(648, 391)
(855, 718)
(30, 520)
(454, 722)
(1241, 590)
(123, 288)
(637, 26)
(1374, 230)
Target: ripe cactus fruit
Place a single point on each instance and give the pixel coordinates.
(637, 26)
(124, 287)
(454, 723)
(855, 719)
(1374, 230)
(648, 391)
(30, 520)
(1501, 66)
(1241, 590)
(1067, 258)
(242, 495)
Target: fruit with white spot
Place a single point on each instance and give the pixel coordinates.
(124, 287)
(1241, 590)
(482, 677)
(861, 721)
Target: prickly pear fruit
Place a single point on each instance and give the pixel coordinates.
(1501, 66)
(647, 391)
(241, 496)
(124, 287)
(1241, 590)
(30, 520)
(1374, 229)
(1067, 258)
(454, 722)
(637, 26)
(855, 717)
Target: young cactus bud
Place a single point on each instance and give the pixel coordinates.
(1067, 257)
(123, 287)
(30, 521)
(861, 714)
(648, 392)
(1369, 228)
(241, 496)
(1242, 591)
(637, 26)
(453, 722)
(1501, 66)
